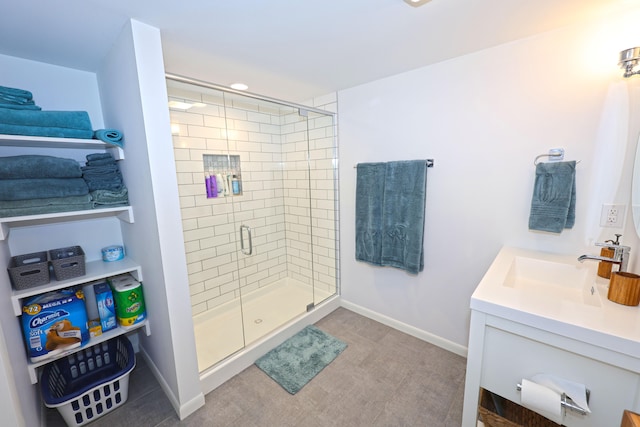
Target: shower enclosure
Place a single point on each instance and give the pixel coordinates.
(258, 192)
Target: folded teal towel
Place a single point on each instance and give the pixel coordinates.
(47, 201)
(39, 210)
(553, 205)
(111, 136)
(55, 119)
(15, 92)
(24, 189)
(36, 166)
(390, 214)
(52, 132)
(106, 198)
(19, 106)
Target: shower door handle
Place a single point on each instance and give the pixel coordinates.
(242, 248)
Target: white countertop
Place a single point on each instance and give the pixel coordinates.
(607, 324)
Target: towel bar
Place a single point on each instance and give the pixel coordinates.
(429, 164)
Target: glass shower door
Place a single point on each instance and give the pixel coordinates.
(257, 183)
(271, 212)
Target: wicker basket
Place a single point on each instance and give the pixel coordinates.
(513, 414)
(67, 262)
(29, 270)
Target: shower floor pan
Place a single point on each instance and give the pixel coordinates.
(219, 332)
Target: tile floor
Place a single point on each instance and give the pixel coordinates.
(383, 378)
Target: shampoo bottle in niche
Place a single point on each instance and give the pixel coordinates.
(220, 184)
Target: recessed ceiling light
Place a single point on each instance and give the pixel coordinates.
(239, 86)
(416, 3)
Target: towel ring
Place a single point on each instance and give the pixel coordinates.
(535, 161)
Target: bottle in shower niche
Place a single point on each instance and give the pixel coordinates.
(220, 184)
(213, 186)
(210, 184)
(235, 185)
(207, 185)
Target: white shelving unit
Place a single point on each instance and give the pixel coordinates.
(46, 142)
(95, 270)
(124, 213)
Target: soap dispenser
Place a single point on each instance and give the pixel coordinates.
(604, 267)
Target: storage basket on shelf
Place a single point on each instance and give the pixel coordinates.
(513, 415)
(67, 262)
(90, 383)
(29, 270)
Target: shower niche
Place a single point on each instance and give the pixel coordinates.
(262, 246)
(223, 176)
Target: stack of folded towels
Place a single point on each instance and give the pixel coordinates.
(19, 115)
(104, 181)
(34, 184)
(17, 99)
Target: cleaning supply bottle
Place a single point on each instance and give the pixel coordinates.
(604, 267)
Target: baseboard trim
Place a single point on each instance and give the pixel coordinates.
(407, 329)
(184, 410)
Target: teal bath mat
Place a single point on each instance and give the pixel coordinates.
(300, 358)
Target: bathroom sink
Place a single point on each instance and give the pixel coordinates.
(568, 281)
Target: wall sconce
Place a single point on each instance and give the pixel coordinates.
(416, 3)
(629, 59)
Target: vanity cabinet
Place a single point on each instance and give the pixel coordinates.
(96, 269)
(553, 318)
(512, 351)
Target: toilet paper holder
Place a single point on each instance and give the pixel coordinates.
(566, 402)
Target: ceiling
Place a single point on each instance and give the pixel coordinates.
(283, 48)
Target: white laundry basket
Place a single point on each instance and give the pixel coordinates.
(90, 383)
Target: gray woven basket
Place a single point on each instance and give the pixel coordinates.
(29, 270)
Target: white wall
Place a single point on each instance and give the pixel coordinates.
(134, 97)
(484, 118)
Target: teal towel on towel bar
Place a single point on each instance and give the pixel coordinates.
(390, 214)
(404, 214)
(553, 205)
(369, 202)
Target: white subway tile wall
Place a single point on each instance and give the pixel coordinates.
(289, 194)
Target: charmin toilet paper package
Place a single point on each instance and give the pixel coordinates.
(54, 322)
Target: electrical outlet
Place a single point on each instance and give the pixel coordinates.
(612, 216)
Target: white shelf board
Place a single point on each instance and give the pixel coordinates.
(47, 142)
(124, 213)
(95, 270)
(105, 336)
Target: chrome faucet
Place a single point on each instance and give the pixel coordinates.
(620, 254)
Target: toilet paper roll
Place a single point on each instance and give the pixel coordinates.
(576, 391)
(542, 400)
